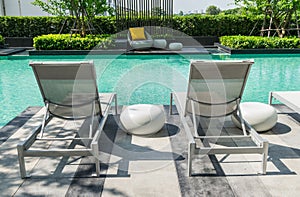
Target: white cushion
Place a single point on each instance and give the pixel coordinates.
(260, 116)
(140, 44)
(142, 119)
(159, 43)
(175, 46)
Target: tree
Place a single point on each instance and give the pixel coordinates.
(82, 10)
(233, 11)
(213, 10)
(280, 12)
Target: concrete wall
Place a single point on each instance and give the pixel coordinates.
(20, 8)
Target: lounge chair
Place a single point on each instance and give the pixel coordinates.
(139, 38)
(289, 98)
(69, 91)
(214, 91)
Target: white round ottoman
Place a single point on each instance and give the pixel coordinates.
(260, 116)
(175, 46)
(160, 43)
(142, 119)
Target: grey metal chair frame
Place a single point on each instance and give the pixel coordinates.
(261, 145)
(288, 98)
(23, 147)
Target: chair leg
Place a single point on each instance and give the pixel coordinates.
(97, 164)
(92, 121)
(241, 118)
(21, 159)
(194, 120)
(191, 149)
(44, 120)
(270, 98)
(116, 105)
(171, 103)
(265, 157)
(95, 153)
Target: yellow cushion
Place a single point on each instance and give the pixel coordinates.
(137, 33)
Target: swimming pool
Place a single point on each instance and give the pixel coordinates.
(142, 78)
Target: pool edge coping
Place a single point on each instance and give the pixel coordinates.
(257, 51)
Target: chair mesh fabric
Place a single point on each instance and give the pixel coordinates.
(216, 87)
(69, 88)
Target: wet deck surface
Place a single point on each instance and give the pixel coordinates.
(151, 166)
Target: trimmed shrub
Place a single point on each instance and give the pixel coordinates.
(218, 25)
(104, 24)
(193, 25)
(74, 42)
(20, 26)
(32, 26)
(257, 42)
(1, 40)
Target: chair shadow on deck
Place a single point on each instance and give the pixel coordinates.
(120, 145)
(277, 153)
(128, 152)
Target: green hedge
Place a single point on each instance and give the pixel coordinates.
(257, 42)
(66, 42)
(1, 40)
(31, 26)
(12, 26)
(193, 25)
(218, 25)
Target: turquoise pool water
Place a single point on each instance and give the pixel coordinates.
(142, 78)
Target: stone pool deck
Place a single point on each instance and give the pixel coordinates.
(153, 165)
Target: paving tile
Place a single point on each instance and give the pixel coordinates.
(156, 165)
(148, 163)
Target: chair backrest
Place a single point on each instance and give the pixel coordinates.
(68, 88)
(216, 87)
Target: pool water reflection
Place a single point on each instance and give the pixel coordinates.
(143, 78)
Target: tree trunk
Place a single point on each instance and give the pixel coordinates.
(270, 26)
(264, 23)
(82, 10)
(279, 30)
(3, 8)
(297, 23)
